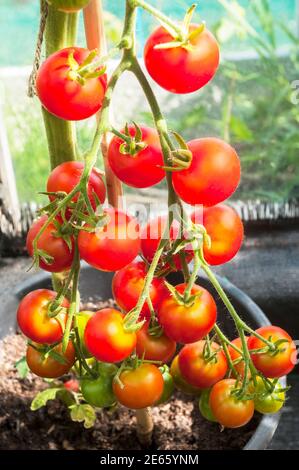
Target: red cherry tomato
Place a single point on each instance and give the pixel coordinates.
(113, 246)
(225, 229)
(151, 235)
(273, 365)
(127, 285)
(49, 367)
(187, 324)
(72, 385)
(33, 319)
(197, 370)
(179, 381)
(140, 387)
(54, 245)
(213, 175)
(61, 93)
(143, 169)
(181, 69)
(235, 356)
(67, 175)
(226, 408)
(154, 348)
(106, 338)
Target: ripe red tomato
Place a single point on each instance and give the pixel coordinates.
(213, 175)
(127, 285)
(188, 324)
(60, 91)
(273, 365)
(180, 382)
(196, 370)
(141, 387)
(227, 409)
(68, 6)
(142, 169)
(154, 348)
(67, 175)
(106, 338)
(240, 366)
(113, 246)
(225, 229)
(182, 69)
(33, 319)
(72, 385)
(49, 367)
(151, 235)
(52, 244)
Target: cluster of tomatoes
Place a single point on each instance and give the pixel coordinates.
(122, 357)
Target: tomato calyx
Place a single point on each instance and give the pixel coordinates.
(87, 70)
(183, 299)
(48, 351)
(132, 145)
(181, 157)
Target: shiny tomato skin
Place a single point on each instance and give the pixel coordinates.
(227, 410)
(154, 348)
(127, 285)
(67, 175)
(178, 69)
(213, 175)
(33, 319)
(179, 381)
(151, 235)
(50, 368)
(196, 370)
(68, 6)
(72, 385)
(226, 232)
(112, 247)
(105, 337)
(52, 244)
(142, 387)
(266, 403)
(142, 169)
(273, 366)
(188, 324)
(64, 96)
(98, 392)
(168, 385)
(234, 355)
(204, 406)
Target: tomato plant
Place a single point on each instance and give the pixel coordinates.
(213, 174)
(106, 338)
(56, 255)
(274, 363)
(225, 230)
(50, 365)
(201, 371)
(140, 387)
(186, 323)
(68, 6)
(179, 381)
(228, 410)
(34, 320)
(112, 246)
(185, 68)
(153, 347)
(138, 163)
(66, 92)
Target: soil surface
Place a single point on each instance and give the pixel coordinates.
(178, 424)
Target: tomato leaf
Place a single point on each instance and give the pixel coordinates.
(22, 367)
(83, 414)
(43, 397)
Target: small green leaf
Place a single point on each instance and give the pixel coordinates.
(22, 367)
(83, 413)
(43, 397)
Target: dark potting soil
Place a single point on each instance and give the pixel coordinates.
(178, 424)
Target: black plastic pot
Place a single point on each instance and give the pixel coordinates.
(97, 285)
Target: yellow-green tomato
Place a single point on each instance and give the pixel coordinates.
(168, 385)
(82, 319)
(265, 402)
(68, 6)
(204, 406)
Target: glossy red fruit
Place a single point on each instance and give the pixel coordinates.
(154, 348)
(226, 232)
(187, 324)
(213, 175)
(197, 370)
(127, 285)
(61, 93)
(55, 246)
(182, 69)
(113, 246)
(106, 338)
(144, 168)
(50, 367)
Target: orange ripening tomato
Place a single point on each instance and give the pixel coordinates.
(154, 348)
(239, 366)
(179, 381)
(225, 229)
(49, 367)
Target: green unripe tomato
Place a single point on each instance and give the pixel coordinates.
(68, 6)
(98, 392)
(266, 403)
(168, 385)
(204, 406)
(179, 381)
(82, 319)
